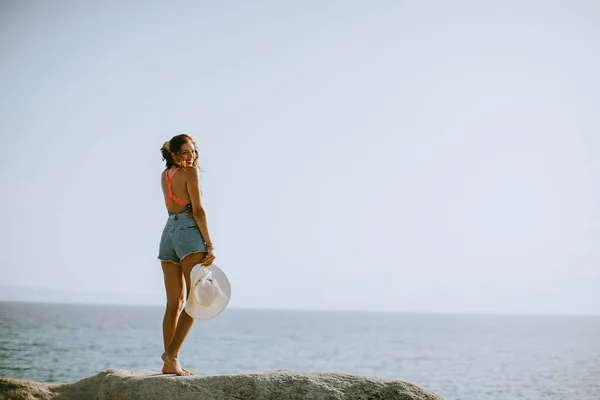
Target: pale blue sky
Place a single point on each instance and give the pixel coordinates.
(381, 155)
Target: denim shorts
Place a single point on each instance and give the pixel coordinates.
(180, 238)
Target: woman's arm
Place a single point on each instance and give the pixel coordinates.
(193, 187)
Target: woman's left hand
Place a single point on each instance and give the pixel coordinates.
(210, 257)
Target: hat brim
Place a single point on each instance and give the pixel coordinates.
(197, 311)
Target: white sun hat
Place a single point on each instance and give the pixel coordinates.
(209, 292)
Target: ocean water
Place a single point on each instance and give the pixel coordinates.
(461, 357)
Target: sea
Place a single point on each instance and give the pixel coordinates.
(460, 357)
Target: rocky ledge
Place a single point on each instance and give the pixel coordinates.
(284, 385)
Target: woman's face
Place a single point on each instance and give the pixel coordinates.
(187, 154)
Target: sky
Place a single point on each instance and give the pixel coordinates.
(384, 155)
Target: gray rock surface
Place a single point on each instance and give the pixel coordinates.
(279, 385)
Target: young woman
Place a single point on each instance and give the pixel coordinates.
(185, 242)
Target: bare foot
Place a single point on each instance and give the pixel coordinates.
(166, 369)
(173, 364)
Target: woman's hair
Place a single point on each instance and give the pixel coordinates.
(173, 147)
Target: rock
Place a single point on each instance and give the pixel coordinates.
(284, 385)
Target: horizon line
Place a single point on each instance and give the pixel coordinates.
(321, 310)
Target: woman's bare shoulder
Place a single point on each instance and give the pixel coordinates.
(192, 172)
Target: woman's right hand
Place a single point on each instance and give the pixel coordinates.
(210, 257)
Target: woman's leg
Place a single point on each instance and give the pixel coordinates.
(185, 322)
(175, 298)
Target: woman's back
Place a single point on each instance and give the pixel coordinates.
(174, 186)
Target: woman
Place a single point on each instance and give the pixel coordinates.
(185, 242)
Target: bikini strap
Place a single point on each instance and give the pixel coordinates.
(170, 183)
(169, 180)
